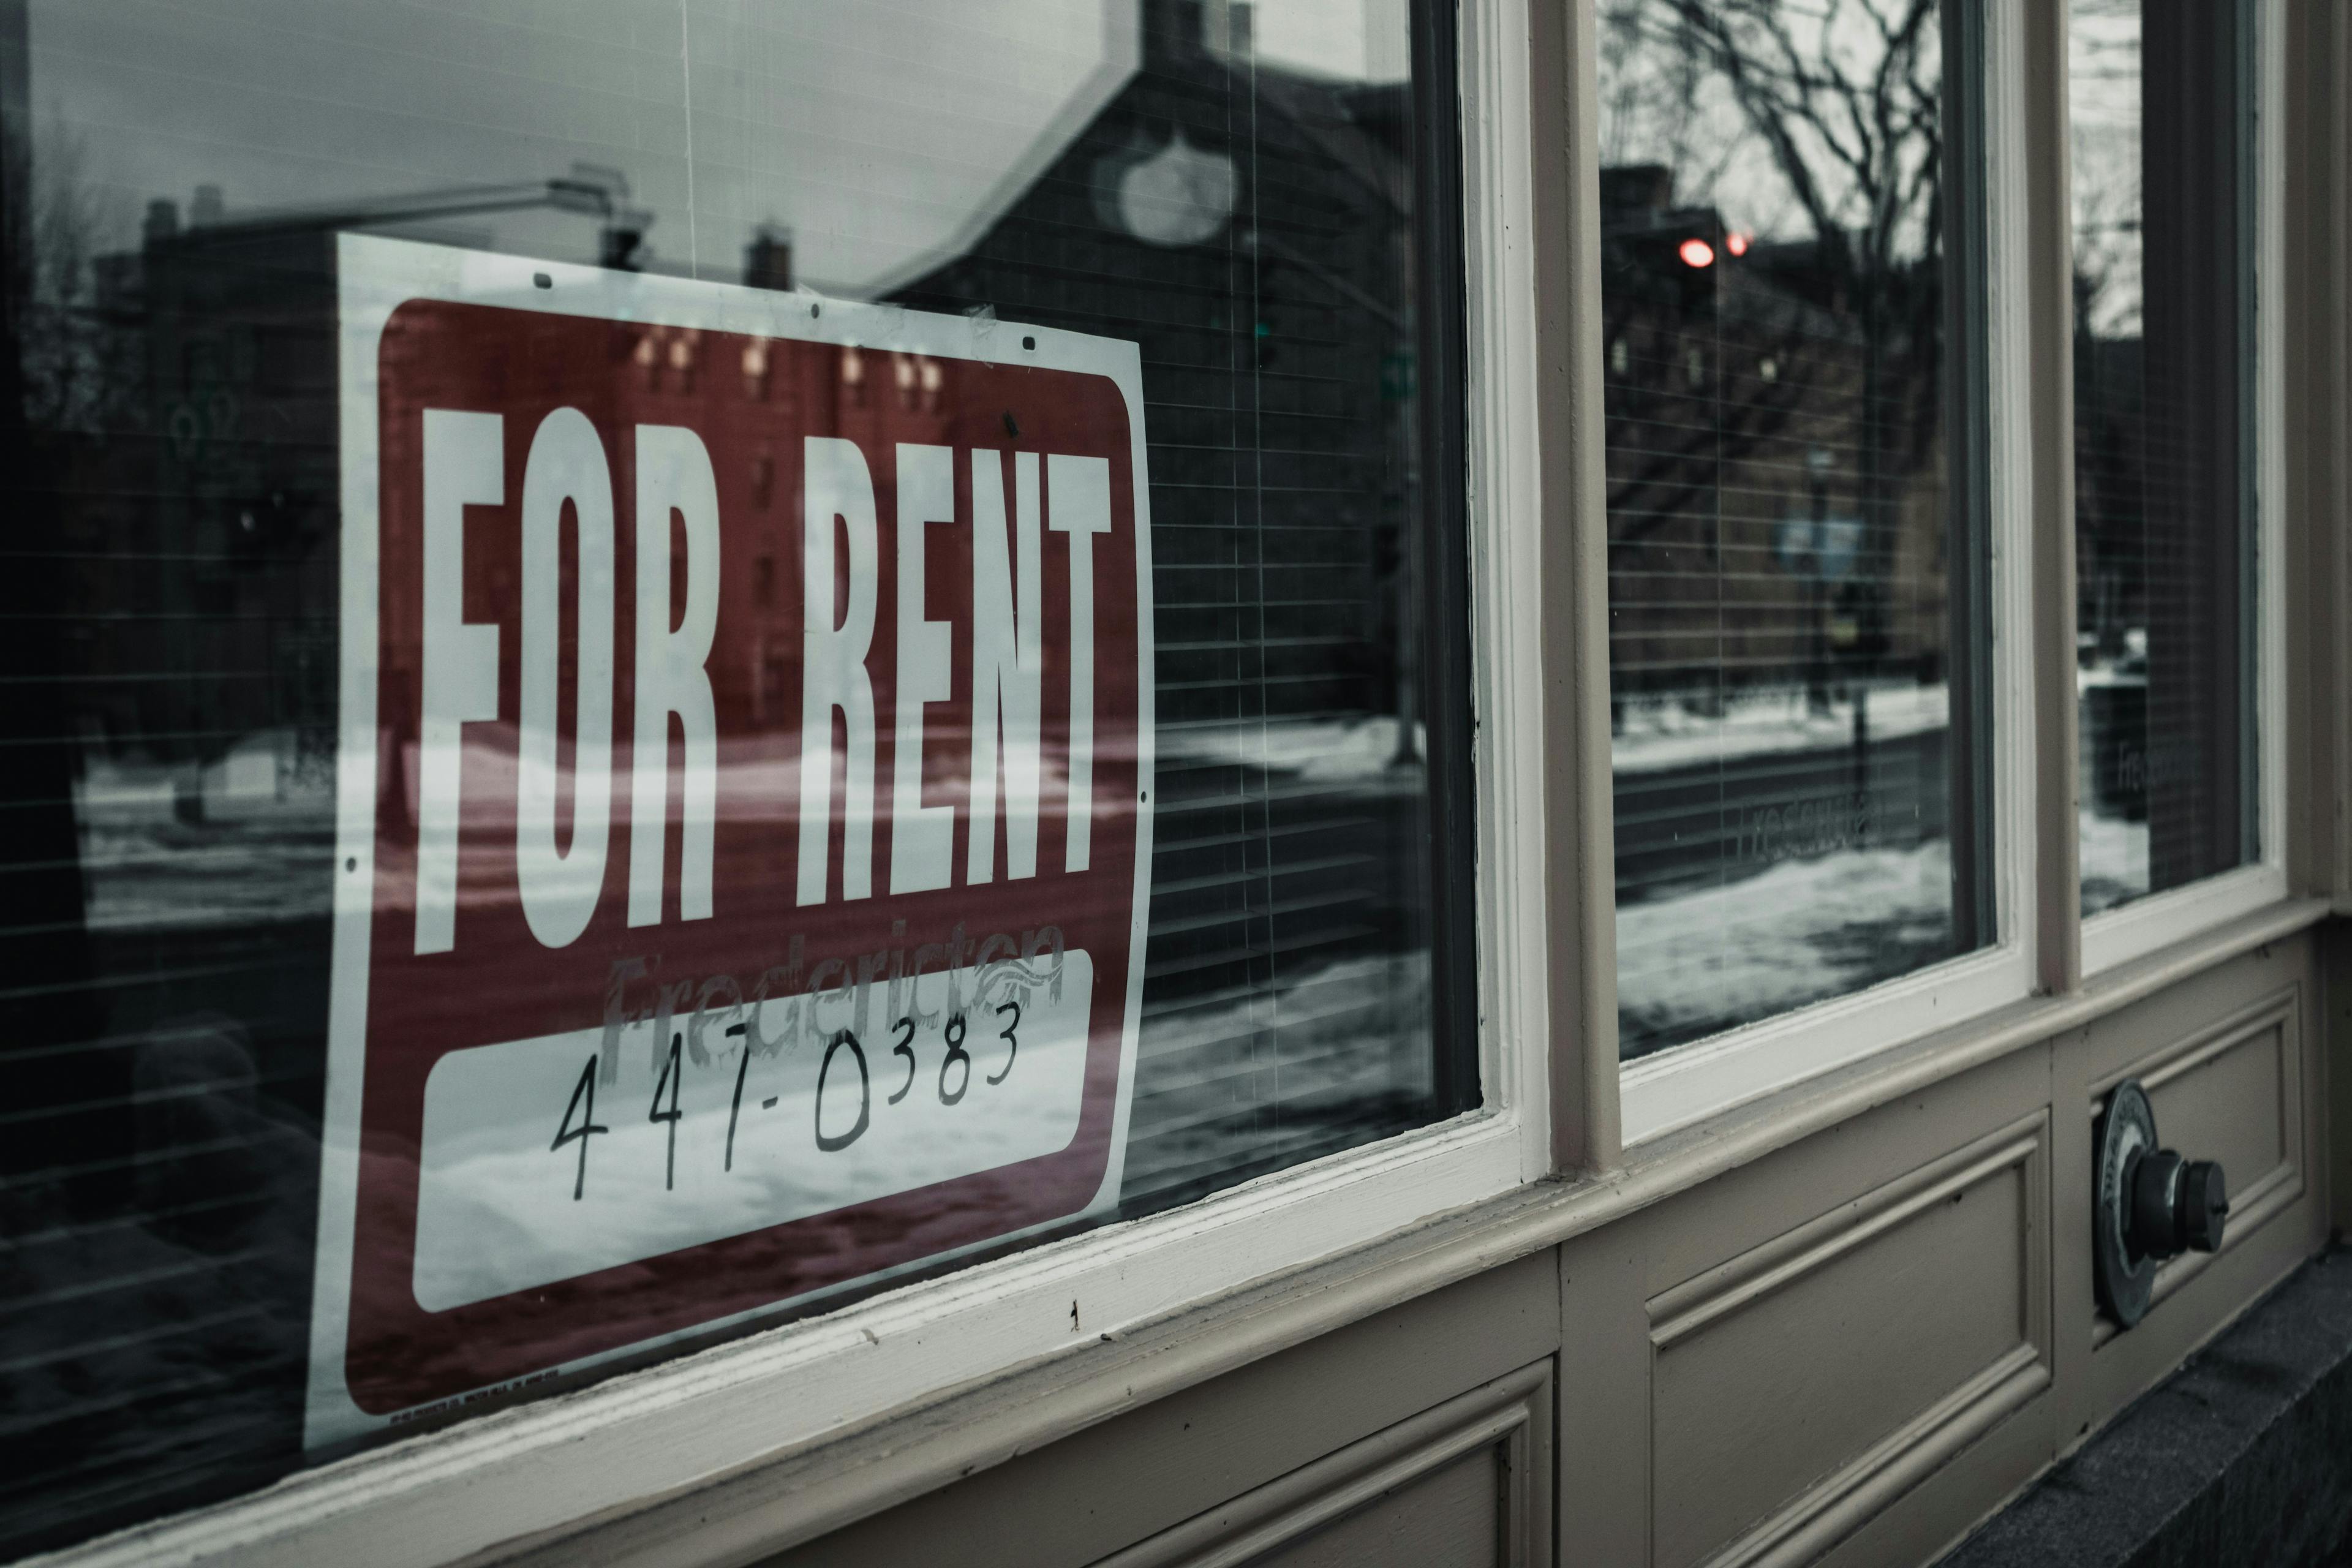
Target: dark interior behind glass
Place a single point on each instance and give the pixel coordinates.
(1799, 631)
(1280, 236)
(2164, 500)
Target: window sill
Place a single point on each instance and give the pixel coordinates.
(1708, 1148)
(482, 1486)
(1698, 1085)
(2159, 921)
(1690, 1085)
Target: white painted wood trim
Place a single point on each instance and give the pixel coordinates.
(2043, 204)
(630, 1442)
(1588, 1136)
(1832, 1508)
(1688, 1084)
(2177, 914)
(2119, 935)
(1504, 508)
(1696, 1082)
(2009, 291)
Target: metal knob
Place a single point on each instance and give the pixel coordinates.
(2149, 1205)
(2204, 1205)
(2177, 1205)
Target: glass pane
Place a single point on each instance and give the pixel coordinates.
(1797, 634)
(2163, 492)
(1016, 410)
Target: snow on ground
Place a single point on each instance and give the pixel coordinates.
(250, 838)
(1316, 749)
(254, 844)
(2114, 860)
(1711, 958)
(1227, 1082)
(1654, 737)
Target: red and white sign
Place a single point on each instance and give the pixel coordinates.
(744, 822)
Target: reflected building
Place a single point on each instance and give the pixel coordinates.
(1292, 817)
(1285, 501)
(1765, 528)
(1778, 557)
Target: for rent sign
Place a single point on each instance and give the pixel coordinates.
(744, 808)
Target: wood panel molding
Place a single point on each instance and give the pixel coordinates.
(1902, 1227)
(1513, 1413)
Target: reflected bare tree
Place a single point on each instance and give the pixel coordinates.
(80, 365)
(1847, 99)
(1823, 125)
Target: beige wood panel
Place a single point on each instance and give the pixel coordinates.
(2234, 1094)
(1925, 1522)
(1445, 1520)
(1799, 1384)
(2227, 1058)
(1095, 1492)
(1794, 1185)
(1604, 1398)
(2231, 1096)
(1842, 1182)
(1467, 1482)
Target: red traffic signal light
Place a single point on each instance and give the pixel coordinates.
(1695, 252)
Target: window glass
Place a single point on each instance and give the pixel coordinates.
(2163, 463)
(1797, 624)
(1035, 416)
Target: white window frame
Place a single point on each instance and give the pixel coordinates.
(1674, 1089)
(1677, 1090)
(634, 1439)
(2155, 920)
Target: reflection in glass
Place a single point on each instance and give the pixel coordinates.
(1257, 218)
(2163, 503)
(1791, 656)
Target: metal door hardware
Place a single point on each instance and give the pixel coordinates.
(2149, 1205)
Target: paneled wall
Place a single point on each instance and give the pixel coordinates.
(1845, 1352)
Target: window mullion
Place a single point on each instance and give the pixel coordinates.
(2043, 231)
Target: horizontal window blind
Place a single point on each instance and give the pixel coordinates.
(1793, 642)
(2163, 501)
(1288, 262)
(1290, 995)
